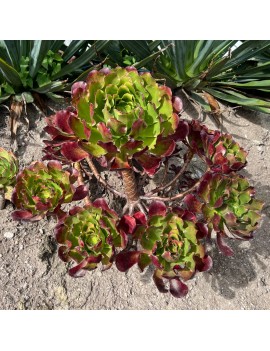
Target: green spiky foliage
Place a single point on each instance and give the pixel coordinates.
(43, 66)
(220, 151)
(9, 167)
(88, 236)
(119, 115)
(229, 205)
(227, 70)
(41, 189)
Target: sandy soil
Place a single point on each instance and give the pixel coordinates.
(33, 277)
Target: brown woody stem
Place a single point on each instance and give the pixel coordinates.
(130, 185)
(100, 179)
(178, 175)
(171, 198)
(77, 166)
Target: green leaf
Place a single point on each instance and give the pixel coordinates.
(10, 74)
(73, 47)
(83, 59)
(38, 52)
(51, 87)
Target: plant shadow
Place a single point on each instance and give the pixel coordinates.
(237, 272)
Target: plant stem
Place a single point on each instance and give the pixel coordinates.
(171, 198)
(100, 179)
(77, 166)
(178, 175)
(130, 185)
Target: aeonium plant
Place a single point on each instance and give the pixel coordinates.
(123, 121)
(9, 167)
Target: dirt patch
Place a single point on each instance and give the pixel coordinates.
(33, 277)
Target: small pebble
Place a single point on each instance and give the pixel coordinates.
(8, 235)
(41, 231)
(20, 247)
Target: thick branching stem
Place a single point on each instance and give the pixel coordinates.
(171, 198)
(130, 185)
(77, 166)
(100, 179)
(178, 175)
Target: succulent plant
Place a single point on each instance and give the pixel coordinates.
(41, 189)
(220, 151)
(168, 241)
(229, 205)
(8, 169)
(120, 114)
(88, 235)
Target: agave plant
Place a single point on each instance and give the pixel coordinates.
(168, 241)
(228, 70)
(88, 236)
(31, 68)
(220, 151)
(8, 170)
(120, 115)
(41, 66)
(41, 189)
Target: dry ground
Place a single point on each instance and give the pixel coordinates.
(33, 277)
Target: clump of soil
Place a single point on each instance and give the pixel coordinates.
(33, 277)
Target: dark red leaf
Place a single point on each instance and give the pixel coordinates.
(21, 215)
(157, 208)
(181, 131)
(202, 230)
(80, 193)
(73, 152)
(127, 224)
(149, 163)
(125, 260)
(109, 147)
(160, 282)
(54, 165)
(223, 247)
(140, 218)
(177, 288)
(203, 264)
(63, 254)
(155, 262)
(74, 210)
(61, 121)
(131, 68)
(101, 203)
(164, 147)
(104, 131)
(192, 203)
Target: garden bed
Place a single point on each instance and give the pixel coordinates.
(33, 277)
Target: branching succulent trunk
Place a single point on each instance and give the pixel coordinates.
(130, 185)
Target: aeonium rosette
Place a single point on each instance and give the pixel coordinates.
(8, 170)
(228, 205)
(41, 189)
(169, 241)
(220, 151)
(120, 114)
(88, 236)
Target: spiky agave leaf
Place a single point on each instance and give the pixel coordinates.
(120, 115)
(8, 169)
(220, 151)
(229, 205)
(88, 235)
(41, 189)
